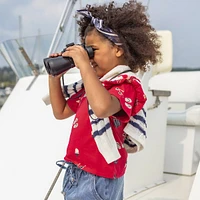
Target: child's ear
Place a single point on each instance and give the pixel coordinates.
(119, 51)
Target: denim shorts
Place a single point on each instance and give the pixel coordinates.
(81, 185)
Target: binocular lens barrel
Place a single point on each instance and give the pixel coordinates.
(57, 65)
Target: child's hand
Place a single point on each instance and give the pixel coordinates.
(79, 56)
(55, 55)
(59, 75)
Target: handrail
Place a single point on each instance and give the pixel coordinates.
(28, 60)
(157, 94)
(61, 26)
(67, 12)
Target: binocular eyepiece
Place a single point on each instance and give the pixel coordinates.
(57, 65)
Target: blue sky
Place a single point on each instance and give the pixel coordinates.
(181, 17)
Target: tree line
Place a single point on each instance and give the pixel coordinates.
(7, 77)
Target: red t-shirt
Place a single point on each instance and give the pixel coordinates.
(82, 149)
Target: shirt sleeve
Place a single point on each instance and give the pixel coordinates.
(126, 94)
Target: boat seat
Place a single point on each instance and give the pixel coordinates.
(182, 148)
(188, 117)
(184, 86)
(165, 65)
(183, 141)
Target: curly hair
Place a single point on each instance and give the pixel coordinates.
(130, 22)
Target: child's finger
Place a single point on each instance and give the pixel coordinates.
(55, 54)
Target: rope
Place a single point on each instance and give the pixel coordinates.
(54, 182)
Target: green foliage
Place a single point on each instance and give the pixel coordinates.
(7, 77)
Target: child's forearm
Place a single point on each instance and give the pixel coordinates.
(58, 102)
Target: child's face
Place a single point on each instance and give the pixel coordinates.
(106, 55)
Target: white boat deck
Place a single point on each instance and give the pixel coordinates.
(146, 173)
(177, 187)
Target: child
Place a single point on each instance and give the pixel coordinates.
(107, 100)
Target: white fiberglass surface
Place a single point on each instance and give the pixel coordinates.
(177, 187)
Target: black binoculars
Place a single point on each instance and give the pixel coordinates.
(57, 65)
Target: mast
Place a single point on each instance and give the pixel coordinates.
(20, 30)
(62, 24)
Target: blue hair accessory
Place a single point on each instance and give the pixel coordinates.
(98, 24)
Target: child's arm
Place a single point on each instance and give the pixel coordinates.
(101, 101)
(59, 105)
